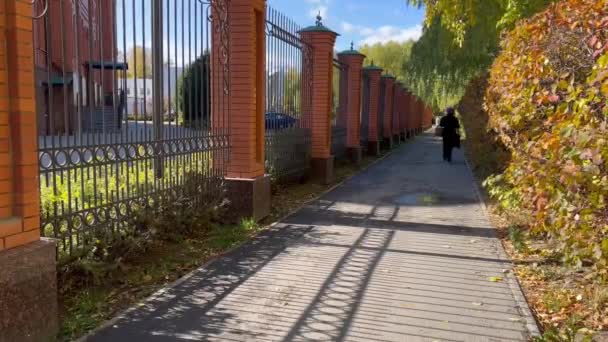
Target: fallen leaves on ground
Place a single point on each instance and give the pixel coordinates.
(566, 301)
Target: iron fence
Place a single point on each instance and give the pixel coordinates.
(288, 98)
(132, 110)
(340, 101)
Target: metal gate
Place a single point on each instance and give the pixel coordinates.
(132, 110)
(288, 98)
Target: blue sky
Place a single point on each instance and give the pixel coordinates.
(361, 21)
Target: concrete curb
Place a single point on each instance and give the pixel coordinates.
(156, 295)
(516, 289)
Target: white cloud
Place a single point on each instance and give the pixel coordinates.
(347, 27)
(314, 1)
(351, 28)
(385, 34)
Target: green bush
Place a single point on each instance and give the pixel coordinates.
(547, 102)
(66, 197)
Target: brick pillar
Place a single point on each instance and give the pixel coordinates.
(416, 114)
(322, 41)
(406, 113)
(412, 111)
(403, 112)
(397, 113)
(427, 117)
(415, 111)
(374, 73)
(389, 90)
(248, 185)
(406, 105)
(28, 279)
(354, 61)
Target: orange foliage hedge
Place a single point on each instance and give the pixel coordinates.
(547, 102)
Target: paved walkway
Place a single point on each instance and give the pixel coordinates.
(401, 252)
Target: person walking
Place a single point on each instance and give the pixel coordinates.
(451, 138)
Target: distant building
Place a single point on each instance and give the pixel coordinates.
(76, 68)
(139, 92)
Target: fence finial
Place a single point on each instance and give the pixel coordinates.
(319, 19)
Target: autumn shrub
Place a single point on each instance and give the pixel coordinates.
(546, 100)
(485, 152)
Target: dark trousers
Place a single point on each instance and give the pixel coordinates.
(447, 149)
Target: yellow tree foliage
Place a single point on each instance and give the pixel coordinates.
(391, 56)
(547, 102)
(459, 16)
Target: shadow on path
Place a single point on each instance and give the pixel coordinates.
(355, 265)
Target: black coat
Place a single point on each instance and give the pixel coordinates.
(450, 134)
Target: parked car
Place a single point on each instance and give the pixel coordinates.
(279, 121)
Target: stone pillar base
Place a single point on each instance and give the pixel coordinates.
(322, 169)
(249, 198)
(373, 148)
(354, 154)
(397, 139)
(28, 292)
(387, 143)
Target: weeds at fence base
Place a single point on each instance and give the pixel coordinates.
(92, 290)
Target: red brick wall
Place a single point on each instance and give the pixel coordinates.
(403, 111)
(412, 110)
(19, 193)
(247, 100)
(322, 76)
(374, 105)
(397, 109)
(389, 84)
(353, 113)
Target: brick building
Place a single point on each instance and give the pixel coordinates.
(76, 70)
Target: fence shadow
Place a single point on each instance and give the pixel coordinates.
(190, 309)
(340, 269)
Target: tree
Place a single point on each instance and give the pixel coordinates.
(194, 93)
(390, 56)
(546, 99)
(439, 70)
(292, 90)
(459, 16)
(140, 62)
(459, 42)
